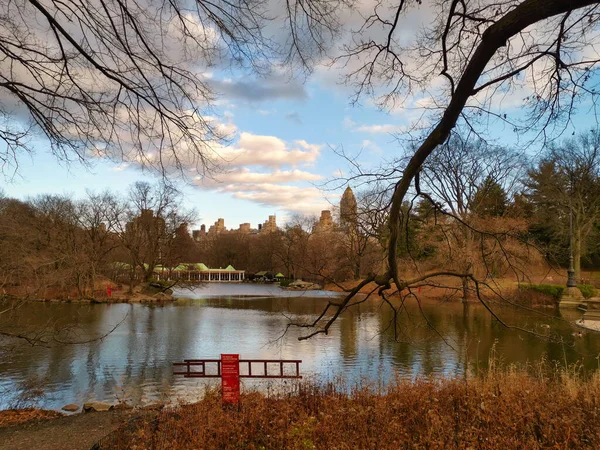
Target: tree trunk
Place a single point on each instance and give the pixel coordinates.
(577, 253)
(131, 278)
(93, 280)
(465, 288)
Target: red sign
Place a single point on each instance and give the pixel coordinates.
(230, 378)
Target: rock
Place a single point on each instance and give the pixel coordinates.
(571, 298)
(71, 407)
(303, 285)
(97, 406)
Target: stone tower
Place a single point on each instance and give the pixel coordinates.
(325, 223)
(348, 209)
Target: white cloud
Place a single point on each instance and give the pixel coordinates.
(121, 167)
(380, 129)
(269, 151)
(348, 122)
(307, 200)
(244, 176)
(373, 129)
(370, 145)
(262, 169)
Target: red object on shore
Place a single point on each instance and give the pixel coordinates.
(108, 291)
(230, 378)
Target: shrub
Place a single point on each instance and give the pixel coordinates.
(160, 284)
(587, 290)
(530, 297)
(285, 282)
(552, 290)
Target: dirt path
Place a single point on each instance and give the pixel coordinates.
(75, 432)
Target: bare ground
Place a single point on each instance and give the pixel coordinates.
(74, 432)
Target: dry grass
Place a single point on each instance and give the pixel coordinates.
(12, 417)
(504, 410)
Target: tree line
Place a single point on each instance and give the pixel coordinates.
(477, 207)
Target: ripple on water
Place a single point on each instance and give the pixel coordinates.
(134, 363)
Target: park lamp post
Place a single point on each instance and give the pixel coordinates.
(571, 281)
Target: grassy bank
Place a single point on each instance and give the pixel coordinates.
(504, 410)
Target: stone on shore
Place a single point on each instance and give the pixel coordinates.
(71, 407)
(303, 285)
(571, 298)
(97, 406)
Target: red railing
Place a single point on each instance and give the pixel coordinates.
(197, 368)
(229, 369)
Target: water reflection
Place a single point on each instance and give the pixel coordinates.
(134, 361)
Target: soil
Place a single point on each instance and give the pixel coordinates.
(119, 294)
(72, 432)
(450, 287)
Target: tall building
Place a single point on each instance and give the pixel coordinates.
(325, 222)
(348, 209)
(270, 225)
(147, 222)
(217, 228)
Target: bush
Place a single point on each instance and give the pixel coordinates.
(552, 290)
(160, 284)
(285, 282)
(587, 290)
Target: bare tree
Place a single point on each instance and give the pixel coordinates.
(295, 238)
(481, 49)
(148, 224)
(96, 217)
(455, 173)
(456, 177)
(123, 80)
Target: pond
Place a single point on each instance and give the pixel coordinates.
(134, 362)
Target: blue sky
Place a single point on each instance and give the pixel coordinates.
(320, 115)
(282, 131)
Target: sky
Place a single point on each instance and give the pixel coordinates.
(319, 117)
(294, 126)
(283, 153)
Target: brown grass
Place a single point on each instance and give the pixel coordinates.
(507, 410)
(12, 417)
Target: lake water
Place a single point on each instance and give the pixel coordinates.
(134, 361)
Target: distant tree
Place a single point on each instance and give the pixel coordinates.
(566, 179)
(96, 216)
(147, 225)
(470, 180)
(490, 199)
(227, 248)
(19, 245)
(468, 176)
(293, 251)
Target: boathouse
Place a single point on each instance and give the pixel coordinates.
(200, 272)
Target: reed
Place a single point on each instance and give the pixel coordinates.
(540, 406)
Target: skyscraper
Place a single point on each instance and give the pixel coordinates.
(348, 209)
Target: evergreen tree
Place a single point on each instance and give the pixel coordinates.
(490, 200)
(567, 179)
